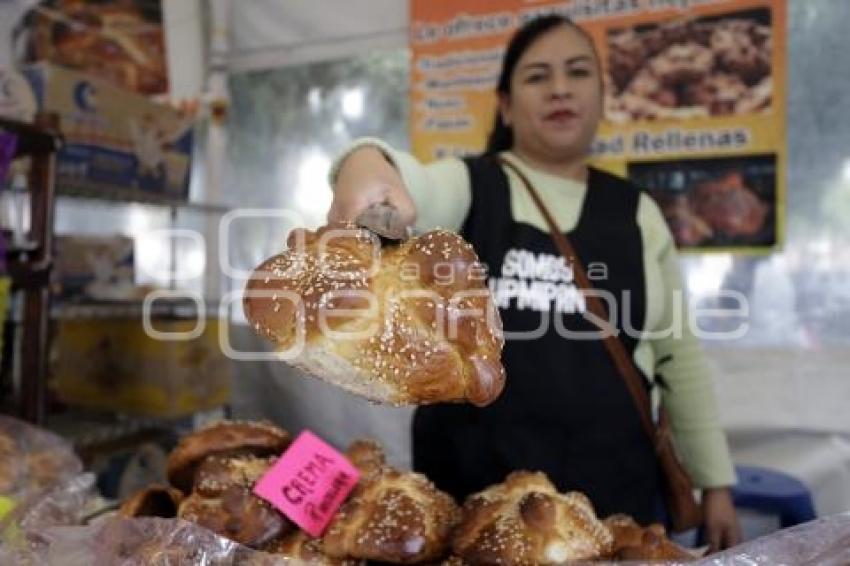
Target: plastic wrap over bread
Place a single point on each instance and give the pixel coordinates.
(412, 323)
(65, 504)
(825, 542)
(32, 460)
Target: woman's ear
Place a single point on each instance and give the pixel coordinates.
(505, 108)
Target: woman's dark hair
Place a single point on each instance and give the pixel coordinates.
(501, 137)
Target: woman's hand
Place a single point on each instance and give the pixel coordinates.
(366, 178)
(721, 521)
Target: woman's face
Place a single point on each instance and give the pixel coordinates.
(556, 96)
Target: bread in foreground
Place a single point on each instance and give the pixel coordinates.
(525, 520)
(392, 516)
(402, 324)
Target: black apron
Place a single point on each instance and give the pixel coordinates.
(565, 410)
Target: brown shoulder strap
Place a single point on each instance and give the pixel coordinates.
(622, 359)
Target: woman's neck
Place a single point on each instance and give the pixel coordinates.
(573, 169)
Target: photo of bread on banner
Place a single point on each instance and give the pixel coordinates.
(120, 41)
(406, 323)
(691, 68)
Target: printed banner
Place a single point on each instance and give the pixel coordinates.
(694, 101)
(121, 41)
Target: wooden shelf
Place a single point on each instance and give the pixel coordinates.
(136, 196)
(32, 140)
(27, 275)
(30, 269)
(30, 272)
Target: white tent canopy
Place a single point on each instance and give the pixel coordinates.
(252, 35)
(274, 33)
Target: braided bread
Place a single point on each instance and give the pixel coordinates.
(402, 324)
(525, 521)
(391, 516)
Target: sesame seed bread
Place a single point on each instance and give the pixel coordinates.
(218, 473)
(391, 516)
(404, 324)
(525, 521)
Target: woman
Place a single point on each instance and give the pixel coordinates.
(565, 409)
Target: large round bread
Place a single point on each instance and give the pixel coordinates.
(391, 516)
(525, 521)
(402, 324)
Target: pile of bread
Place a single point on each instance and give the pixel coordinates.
(121, 42)
(391, 516)
(689, 68)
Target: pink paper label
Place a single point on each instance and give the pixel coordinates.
(308, 483)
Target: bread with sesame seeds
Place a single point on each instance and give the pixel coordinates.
(224, 437)
(217, 473)
(526, 521)
(405, 324)
(391, 516)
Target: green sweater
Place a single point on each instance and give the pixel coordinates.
(442, 194)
